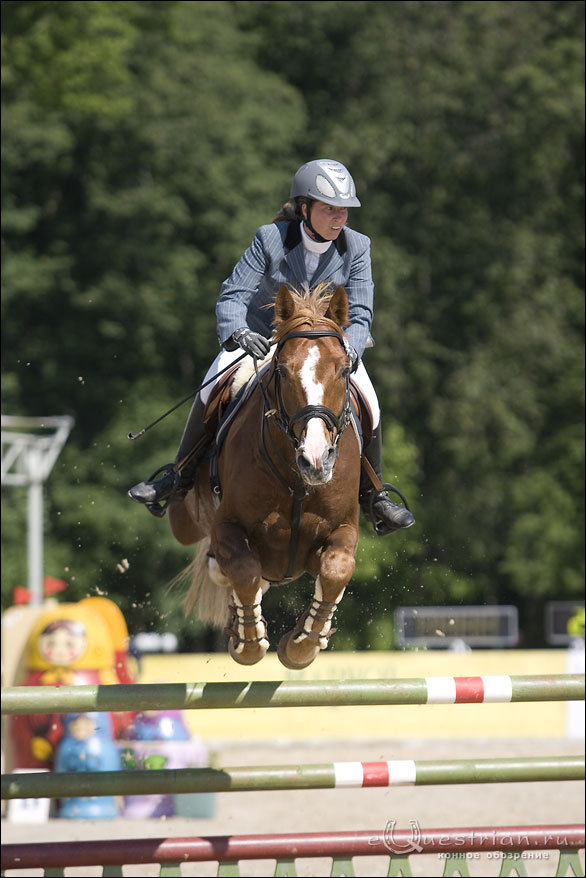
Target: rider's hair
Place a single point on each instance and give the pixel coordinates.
(291, 210)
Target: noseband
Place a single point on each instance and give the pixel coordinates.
(336, 424)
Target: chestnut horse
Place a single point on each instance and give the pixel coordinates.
(289, 472)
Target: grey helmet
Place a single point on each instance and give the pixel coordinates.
(325, 180)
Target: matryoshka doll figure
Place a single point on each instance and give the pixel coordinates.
(157, 737)
(87, 745)
(159, 725)
(124, 667)
(68, 646)
(116, 623)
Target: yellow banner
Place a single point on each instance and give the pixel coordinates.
(370, 723)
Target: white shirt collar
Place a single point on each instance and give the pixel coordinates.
(311, 245)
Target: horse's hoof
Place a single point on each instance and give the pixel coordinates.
(250, 654)
(296, 656)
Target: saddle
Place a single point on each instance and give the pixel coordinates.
(362, 409)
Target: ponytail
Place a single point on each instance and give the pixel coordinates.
(291, 210)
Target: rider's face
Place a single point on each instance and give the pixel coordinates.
(326, 219)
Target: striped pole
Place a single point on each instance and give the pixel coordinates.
(309, 693)
(507, 839)
(401, 772)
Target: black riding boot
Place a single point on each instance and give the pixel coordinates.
(385, 515)
(174, 484)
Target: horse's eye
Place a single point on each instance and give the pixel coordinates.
(283, 371)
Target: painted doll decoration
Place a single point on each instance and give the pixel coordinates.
(125, 667)
(159, 725)
(69, 645)
(116, 623)
(159, 739)
(87, 745)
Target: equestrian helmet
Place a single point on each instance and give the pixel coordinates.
(325, 180)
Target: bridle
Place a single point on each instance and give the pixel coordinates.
(336, 424)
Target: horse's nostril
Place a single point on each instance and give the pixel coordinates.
(302, 461)
(316, 465)
(329, 455)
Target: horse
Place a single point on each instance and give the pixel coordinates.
(289, 470)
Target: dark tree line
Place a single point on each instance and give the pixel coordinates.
(144, 142)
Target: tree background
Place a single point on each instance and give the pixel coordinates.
(142, 145)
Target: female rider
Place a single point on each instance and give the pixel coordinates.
(307, 243)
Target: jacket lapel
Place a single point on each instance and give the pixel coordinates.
(294, 252)
(296, 261)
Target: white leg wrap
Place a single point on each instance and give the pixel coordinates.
(259, 625)
(316, 605)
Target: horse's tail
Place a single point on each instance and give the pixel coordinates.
(209, 591)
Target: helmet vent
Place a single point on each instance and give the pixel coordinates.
(324, 186)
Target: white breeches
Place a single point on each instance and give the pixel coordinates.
(360, 377)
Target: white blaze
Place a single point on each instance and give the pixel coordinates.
(315, 443)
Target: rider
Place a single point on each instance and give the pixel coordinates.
(306, 243)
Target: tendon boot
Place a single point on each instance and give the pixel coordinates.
(175, 483)
(385, 515)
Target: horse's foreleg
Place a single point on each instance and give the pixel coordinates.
(248, 630)
(313, 629)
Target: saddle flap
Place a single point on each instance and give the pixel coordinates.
(219, 400)
(228, 411)
(363, 411)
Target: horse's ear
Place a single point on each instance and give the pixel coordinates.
(284, 305)
(338, 307)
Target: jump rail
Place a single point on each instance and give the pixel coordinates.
(340, 846)
(403, 772)
(232, 848)
(308, 693)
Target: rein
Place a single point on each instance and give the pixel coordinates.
(336, 424)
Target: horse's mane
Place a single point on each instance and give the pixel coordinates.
(310, 308)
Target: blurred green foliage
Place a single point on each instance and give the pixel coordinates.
(142, 145)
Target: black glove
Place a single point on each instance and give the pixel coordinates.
(253, 343)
